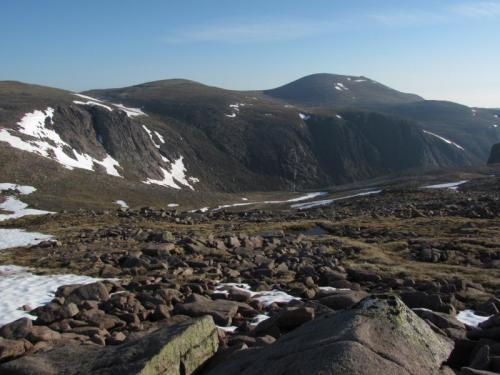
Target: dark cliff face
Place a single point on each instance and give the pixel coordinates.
(193, 136)
(494, 154)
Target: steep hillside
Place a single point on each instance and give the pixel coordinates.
(181, 136)
(495, 154)
(274, 139)
(475, 129)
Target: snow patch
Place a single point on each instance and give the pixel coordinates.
(131, 112)
(267, 298)
(21, 287)
(444, 140)
(203, 209)
(93, 103)
(340, 87)
(298, 199)
(150, 134)
(339, 117)
(325, 202)
(304, 117)
(235, 109)
(19, 237)
(18, 209)
(470, 318)
(22, 189)
(46, 142)
(447, 185)
(121, 203)
(88, 97)
(172, 205)
(176, 175)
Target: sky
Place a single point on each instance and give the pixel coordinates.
(447, 50)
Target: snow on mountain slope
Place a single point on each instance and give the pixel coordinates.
(45, 141)
(444, 139)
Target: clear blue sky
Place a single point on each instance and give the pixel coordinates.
(439, 49)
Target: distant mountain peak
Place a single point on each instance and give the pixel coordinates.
(325, 89)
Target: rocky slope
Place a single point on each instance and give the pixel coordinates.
(399, 280)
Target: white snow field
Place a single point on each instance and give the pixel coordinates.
(46, 142)
(21, 288)
(19, 237)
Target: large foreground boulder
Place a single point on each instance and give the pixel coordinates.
(175, 350)
(377, 336)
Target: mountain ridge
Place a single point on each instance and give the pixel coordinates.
(183, 134)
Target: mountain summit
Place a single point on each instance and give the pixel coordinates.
(339, 91)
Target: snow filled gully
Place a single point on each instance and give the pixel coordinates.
(21, 289)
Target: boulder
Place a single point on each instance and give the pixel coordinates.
(380, 335)
(221, 310)
(441, 320)
(18, 329)
(94, 292)
(343, 299)
(175, 350)
(10, 349)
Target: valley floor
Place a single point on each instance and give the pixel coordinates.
(436, 247)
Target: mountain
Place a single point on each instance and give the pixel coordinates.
(495, 154)
(473, 129)
(182, 136)
(318, 90)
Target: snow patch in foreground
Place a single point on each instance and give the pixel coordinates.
(470, 318)
(447, 185)
(19, 237)
(325, 202)
(20, 287)
(46, 142)
(445, 140)
(304, 117)
(267, 298)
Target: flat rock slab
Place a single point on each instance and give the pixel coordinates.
(174, 350)
(377, 336)
(222, 311)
